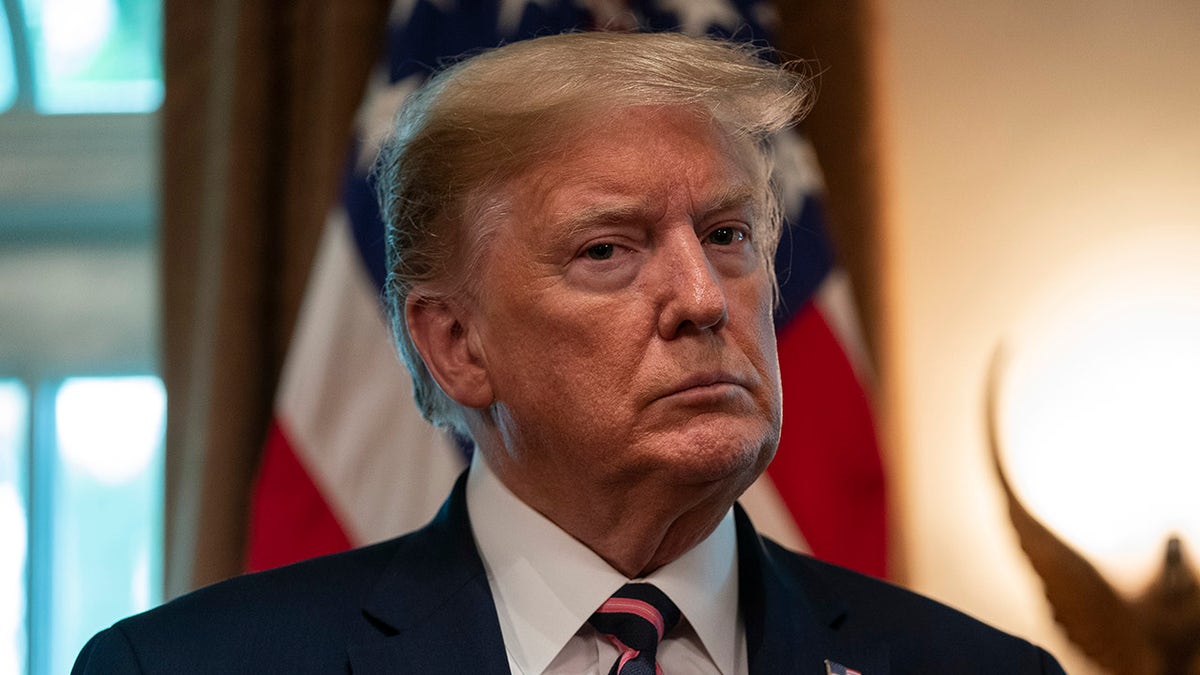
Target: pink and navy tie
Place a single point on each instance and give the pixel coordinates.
(635, 619)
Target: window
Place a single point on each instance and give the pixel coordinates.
(92, 56)
(14, 435)
(102, 485)
(81, 408)
(8, 69)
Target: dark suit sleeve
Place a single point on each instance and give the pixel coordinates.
(108, 652)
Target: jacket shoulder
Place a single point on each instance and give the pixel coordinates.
(921, 635)
(297, 618)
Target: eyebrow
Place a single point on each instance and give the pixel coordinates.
(732, 197)
(598, 215)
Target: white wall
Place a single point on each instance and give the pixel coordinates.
(1030, 146)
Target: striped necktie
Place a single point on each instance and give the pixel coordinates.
(635, 619)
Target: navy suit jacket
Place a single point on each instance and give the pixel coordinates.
(421, 603)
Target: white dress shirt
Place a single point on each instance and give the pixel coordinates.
(546, 584)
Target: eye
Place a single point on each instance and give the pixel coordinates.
(724, 236)
(600, 251)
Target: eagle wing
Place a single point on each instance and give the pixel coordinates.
(1087, 607)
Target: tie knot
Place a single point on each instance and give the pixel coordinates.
(635, 619)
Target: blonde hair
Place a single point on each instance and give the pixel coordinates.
(490, 117)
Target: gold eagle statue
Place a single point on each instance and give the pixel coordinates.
(1155, 633)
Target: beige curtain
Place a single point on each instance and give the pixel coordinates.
(260, 96)
(839, 36)
(257, 118)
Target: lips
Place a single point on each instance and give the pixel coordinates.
(698, 382)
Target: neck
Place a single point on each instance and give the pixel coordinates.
(635, 526)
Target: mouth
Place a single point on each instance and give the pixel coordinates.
(707, 385)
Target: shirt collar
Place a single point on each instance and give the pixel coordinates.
(703, 583)
(546, 583)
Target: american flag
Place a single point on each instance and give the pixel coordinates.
(832, 668)
(348, 459)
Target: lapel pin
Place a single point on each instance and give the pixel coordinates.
(834, 668)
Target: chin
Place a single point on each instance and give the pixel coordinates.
(734, 453)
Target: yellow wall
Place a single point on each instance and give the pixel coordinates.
(1029, 145)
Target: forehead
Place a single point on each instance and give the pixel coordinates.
(641, 159)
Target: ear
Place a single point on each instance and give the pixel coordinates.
(442, 332)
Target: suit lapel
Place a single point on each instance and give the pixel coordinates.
(791, 616)
(435, 613)
(433, 605)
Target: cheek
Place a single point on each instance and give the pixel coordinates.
(767, 360)
(754, 310)
(759, 345)
(562, 350)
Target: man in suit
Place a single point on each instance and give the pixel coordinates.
(580, 232)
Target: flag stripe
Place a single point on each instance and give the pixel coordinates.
(835, 300)
(347, 401)
(827, 469)
(290, 516)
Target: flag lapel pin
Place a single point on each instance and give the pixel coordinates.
(834, 668)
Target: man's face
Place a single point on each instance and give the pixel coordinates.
(625, 312)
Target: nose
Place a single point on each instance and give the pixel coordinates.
(693, 297)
